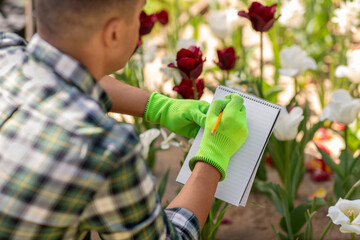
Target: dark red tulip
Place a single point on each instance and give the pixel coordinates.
(226, 221)
(261, 17)
(189, 63)
(146, 23)
(185, 88)
(162, 17)
(318, 170)
(320, 175)
(227, 58)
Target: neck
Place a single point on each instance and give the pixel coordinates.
(88, 54)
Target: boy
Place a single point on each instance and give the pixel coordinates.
(66, 167)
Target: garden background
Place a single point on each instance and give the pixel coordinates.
(301, 54)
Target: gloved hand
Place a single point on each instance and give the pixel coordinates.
(181, 116)
(229, 137)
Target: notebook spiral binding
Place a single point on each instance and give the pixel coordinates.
(252, 98)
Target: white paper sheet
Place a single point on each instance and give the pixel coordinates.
(261, 117)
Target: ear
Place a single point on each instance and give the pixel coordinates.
(112, 32)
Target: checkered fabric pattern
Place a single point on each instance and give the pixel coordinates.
(66, 167)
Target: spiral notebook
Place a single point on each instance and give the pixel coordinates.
(261, 118)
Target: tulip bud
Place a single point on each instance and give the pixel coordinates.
(261, 17)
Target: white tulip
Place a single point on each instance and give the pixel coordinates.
(342, 108)
(168, 140)
(170, 72)
(295, 61)
(223, 22)
(146, 138)
(352, 70)
(286, 127)
(148, 53)
(347, 214)
(292, 14)
(346, 17)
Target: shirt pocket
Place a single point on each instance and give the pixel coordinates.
(7, 107)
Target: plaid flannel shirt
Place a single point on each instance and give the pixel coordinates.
(66, 167)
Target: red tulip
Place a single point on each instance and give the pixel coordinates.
(321, 135)
(146, 23)
(261, 17)
(338, 126)
(227, 58)
(189, 63)
(318, 169)
(162, 17)
(268, 160)
(323, 147)
(185, 88)
(320, 175)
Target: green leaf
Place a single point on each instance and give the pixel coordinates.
(272, 93)
(355, 163)
(275, 149)
(218, 221)
(261, 172)
(342, 160)
(163, 184)
(270, 189)
(336, 168)
(297, 216)
(353, 141)
(287, 217)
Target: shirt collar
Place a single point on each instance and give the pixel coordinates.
(68, 69)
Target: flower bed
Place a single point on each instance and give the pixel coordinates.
(303, 55)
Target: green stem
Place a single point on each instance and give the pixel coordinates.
(195, 89)
(261, 63)
(352, 236)
(225, 77)
(326, 230)
(296, 84)
(287, 183)
(346, 152)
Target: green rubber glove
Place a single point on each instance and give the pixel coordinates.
(229, 137)
(181, 116)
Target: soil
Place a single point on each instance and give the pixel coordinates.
(252, 222)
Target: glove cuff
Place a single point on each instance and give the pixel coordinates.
(154, 106)
(213, 152)
(196, 159)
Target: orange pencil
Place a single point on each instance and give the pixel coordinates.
(216, 123)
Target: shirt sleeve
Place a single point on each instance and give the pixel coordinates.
(128, 207)
(11, 40)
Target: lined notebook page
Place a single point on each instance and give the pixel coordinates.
(241, 171)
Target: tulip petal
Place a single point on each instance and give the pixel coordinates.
(256, 7)
(349, 111)
(184, 53)
(257, 22)
(288, 72)
(310, 63)
(347, 228)
(195, 72)
(244, 14)
(326, 114)
(268, 12)
(337, 216)
(269, 24)
(186, 65)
